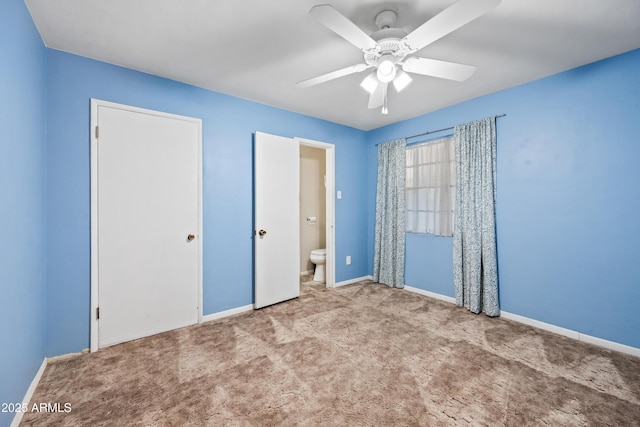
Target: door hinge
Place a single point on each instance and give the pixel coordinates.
(97, 132)
(97, 313)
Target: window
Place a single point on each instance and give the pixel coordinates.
(430, 187)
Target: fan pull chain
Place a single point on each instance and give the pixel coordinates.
(385, 110)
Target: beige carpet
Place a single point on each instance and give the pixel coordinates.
(362, 354)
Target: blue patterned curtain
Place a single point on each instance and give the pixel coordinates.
(388, 259)
(475, 265)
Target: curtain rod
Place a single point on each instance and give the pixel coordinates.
(441, 130)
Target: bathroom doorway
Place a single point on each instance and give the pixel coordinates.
(316, 212)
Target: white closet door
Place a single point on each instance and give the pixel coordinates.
(148, 222)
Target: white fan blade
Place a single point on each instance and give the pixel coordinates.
(338, 23)
(377, 97)
(455, 16)
(435, 68)
(333, 75)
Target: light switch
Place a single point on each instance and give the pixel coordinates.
(339, 194)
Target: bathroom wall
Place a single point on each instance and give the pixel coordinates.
(312, 203)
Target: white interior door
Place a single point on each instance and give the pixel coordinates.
(148, 222)
(276, 216)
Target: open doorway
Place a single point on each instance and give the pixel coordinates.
(317, 239)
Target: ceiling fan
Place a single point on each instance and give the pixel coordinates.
(389, 50)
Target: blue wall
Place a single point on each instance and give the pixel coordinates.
(567, 203)
(228, 124)
(22, 292)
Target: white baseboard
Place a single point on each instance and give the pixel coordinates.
(611, 345)
(67, 355)
(29, 394)
(304, 273)
(350, 281)
(541, 325)
(430, 294)
(226, 313)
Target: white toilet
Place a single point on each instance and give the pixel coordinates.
(319, 257)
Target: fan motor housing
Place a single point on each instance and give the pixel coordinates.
(389, 44)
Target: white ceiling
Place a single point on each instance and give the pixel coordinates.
(258, 49)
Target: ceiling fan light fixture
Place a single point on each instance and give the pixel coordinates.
(387, 50)
(401, 81)
(370, 83)
(386, 68)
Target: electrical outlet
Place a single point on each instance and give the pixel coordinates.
(348, 259)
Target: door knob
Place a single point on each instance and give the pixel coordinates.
(190, 237)
(262, 233)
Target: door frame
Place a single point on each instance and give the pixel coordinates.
(95, 104)
(330, 215)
